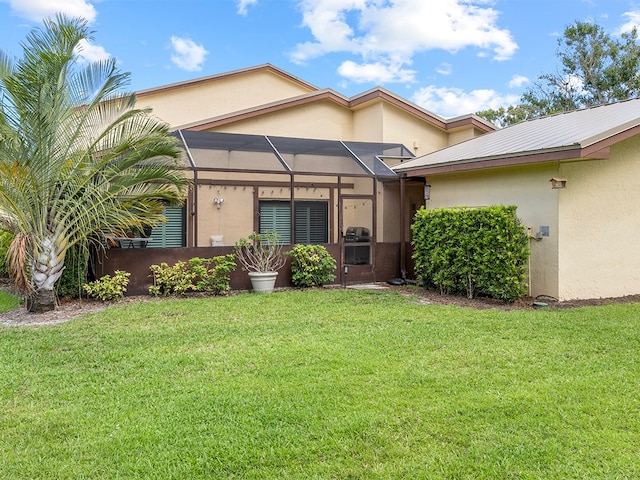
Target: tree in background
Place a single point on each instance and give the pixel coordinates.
(77, 159)
(595, 69)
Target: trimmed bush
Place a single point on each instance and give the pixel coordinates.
(472, 251)
(211, 275)
(108, 288)
(311, 266)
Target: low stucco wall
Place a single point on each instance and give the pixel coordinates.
(137, 261)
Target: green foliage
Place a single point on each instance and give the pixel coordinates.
(74, 276)
(6, 237)
(481, 251)
(108, 288)
(595, 69)
(211, 275)
(78, 159)
(312, 265)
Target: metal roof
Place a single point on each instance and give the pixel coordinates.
(577, 134)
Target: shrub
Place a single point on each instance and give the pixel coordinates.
(108, 288)
(6, 237)
(312, 265)
(74, 276)
(477, 251)
(210, 275)
(260, 252)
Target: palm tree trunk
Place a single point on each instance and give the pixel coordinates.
(42, 300)
(46, 270)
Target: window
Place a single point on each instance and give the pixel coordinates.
(310, 226)
(276, 217)
(171, 233)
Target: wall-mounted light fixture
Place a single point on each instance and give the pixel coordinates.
(427, 191)
(218, 202)
(558, 182)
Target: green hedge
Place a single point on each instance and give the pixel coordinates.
(472, 251)
(312, 266)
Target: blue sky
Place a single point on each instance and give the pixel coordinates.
(451, 57)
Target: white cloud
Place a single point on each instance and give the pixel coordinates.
(244, 4)
(37, 10)
(187, 54)
(633, 20)
(517, 81)
(91, 53)
(392, 32)
(375, 72)
(451, 102)
(444, 69)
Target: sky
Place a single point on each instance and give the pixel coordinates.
(451, 57)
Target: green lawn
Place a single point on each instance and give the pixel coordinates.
(8, 301)
(334, 384)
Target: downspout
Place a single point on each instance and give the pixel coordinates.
(403, 248)
(341, 266)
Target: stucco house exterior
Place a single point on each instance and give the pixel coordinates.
(266, 150)
(575, 179)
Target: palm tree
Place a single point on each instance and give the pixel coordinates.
(77, 158)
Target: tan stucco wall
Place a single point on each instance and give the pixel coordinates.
(600, 225)
(321, 120)
(235, 217)
(368, 123)
(202, 100)
(463, 134)
(526, 187)
(382, 122)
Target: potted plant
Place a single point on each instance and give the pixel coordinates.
(261, 255)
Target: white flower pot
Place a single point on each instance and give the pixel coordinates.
(263, 282)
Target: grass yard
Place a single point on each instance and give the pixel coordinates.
(334, 384)
(8, 301)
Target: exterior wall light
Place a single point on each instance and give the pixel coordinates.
(427, 191)
(218, 202)
(558, 182)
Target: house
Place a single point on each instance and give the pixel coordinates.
(265, 150)
(575, 179)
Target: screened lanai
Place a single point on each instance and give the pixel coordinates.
(307, 190)
(340, 194)
(231, 151)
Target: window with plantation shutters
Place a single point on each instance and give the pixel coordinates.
(276, 217)
(311, 222)
(171, 233)
(310, 226)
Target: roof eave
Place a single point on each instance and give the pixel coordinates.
(234, 73)
(525, 158)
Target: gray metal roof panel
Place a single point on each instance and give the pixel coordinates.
(580, 128)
